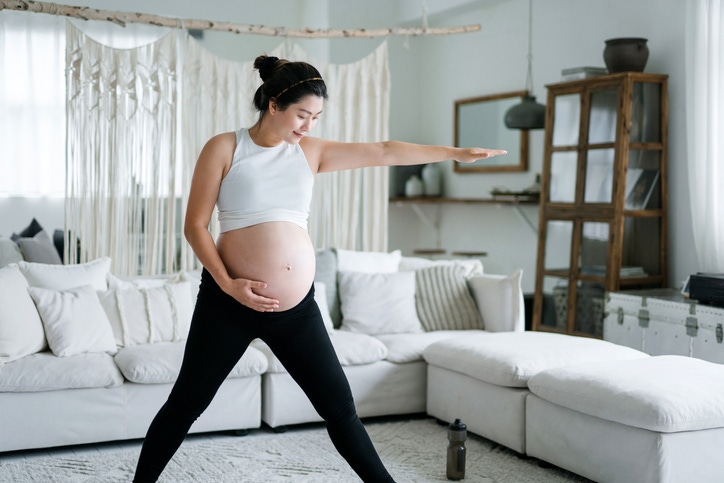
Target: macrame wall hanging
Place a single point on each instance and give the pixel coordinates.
(121, 18)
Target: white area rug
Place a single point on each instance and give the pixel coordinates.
(412, 450)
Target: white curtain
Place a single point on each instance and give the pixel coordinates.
(32, 108)
(217, 95)
(705, 128)
(349, 209)
(121, 153)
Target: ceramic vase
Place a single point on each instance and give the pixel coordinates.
(432, 180)
(626, 54)
(414, 187)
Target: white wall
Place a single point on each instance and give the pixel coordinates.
(434, 71)
(429, 73)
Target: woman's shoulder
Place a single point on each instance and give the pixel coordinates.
(223, 138)
(219, 148)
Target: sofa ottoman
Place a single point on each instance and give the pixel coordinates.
(657, 419)
(483, 378)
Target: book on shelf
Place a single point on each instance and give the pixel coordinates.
(642, 188)
(626, 272)
(575, 73)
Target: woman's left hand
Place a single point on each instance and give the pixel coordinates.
(468, 155)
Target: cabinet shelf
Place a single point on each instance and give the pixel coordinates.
(603, 197)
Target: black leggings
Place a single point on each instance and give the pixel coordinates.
(221, 330)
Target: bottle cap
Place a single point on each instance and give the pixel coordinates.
(458, 426)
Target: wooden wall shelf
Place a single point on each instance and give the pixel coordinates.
(449, 200)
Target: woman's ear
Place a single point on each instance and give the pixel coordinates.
(273, 107)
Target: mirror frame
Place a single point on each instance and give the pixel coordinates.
(521, 164)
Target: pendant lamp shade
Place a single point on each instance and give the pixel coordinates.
(528, 114)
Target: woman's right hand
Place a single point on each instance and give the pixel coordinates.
(244, 292)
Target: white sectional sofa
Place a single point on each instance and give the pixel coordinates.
(607, 412)
(87, 357)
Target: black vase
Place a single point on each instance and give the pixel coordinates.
(625, 54)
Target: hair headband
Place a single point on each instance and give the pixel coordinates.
(297, 83)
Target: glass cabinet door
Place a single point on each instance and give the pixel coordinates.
(599, 176)
(567, 120)
(646, 113)
(559, 234)
(603, 118)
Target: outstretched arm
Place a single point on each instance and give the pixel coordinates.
(337, 156)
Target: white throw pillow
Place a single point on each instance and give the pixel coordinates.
(64, 277)
(368, 262)
(9, 252)
(147, 315)
(443, 299)
(21, 330)
(378, 303)
(320, 296)
(39, 249)
(500, 301)
(74, 321)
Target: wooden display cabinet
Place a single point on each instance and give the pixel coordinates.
(603, 198)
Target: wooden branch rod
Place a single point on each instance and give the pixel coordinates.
(122, 18)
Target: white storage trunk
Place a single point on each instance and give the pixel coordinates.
(662, 321)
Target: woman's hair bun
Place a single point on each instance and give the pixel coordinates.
(265, 65)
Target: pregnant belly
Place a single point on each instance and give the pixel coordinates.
(278, 253)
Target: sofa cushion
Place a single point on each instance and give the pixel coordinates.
(662, 393)
(509, 359)
(46, 372)
(443, 299)
(74, 320)
(158, 313)
(368, 262)
(64, 277)
(33, 228)
(378, 303)
(326, 273)
(320, 296)
(403, 348)
(472, 266)
(352, 350)
(39, 249)
(21, 330)
(160, 363)
(499, 299)
(9, 252)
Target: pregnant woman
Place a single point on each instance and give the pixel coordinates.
(257, 280)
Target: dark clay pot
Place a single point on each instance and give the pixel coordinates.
(625, 54)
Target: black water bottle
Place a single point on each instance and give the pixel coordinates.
(457, 434)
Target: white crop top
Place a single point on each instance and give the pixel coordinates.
(265, 184)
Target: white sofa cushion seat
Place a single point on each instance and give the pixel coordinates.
(160, 363)
(663, 393)
(403, 348)
(352, 349)
(46, 372)
(511, 358)
(655, 419)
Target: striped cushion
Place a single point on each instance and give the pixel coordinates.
(443, 299)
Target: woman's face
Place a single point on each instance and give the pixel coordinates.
(298, 119)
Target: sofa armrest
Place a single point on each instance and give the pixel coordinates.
(500, 301)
